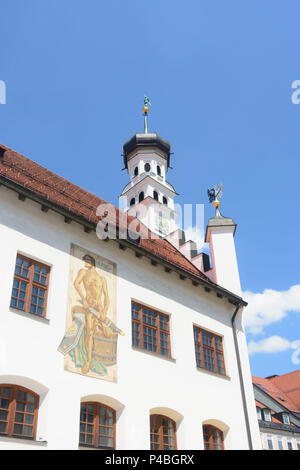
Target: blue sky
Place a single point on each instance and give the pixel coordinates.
(219, 77)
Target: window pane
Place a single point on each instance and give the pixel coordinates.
(20, 406)
(19, 417)
(28, 430)
(4, 403)
(21, 395)
(29, 419)
(3, 415)
(3, 427)
(18, 429)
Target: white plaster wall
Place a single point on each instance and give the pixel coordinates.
(145, 381)
(224, 258)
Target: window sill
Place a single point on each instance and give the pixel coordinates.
(23, 441)
(87, 447)
(33, 316)
(153, 354)
(216, 374)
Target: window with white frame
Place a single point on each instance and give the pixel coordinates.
(270, 442)
(298, 444)
(267, 415)
(285, 418)
(280, 444)
(258, 413)
(289, 444)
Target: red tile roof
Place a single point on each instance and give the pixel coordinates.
(289, 384)
(54, 189)
(285, 389)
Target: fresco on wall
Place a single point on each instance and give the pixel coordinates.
(90, 342)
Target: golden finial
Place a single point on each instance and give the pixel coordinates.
(214, 194)
(146, 111)
(146, 107)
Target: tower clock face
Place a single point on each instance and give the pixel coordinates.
(161, 225)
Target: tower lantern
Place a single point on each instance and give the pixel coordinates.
(148, 196)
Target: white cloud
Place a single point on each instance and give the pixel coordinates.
(270, 345)
(269, 307)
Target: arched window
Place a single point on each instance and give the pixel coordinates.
(147, 167)
(18, 411)
(155, 195)
(97, 426)
(136, 171)
(213, 438)
(158, 170)
(162, 433)
(141, 196)
(165, 200)
(132, 201)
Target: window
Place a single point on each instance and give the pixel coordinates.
(18, 411)
(280, 445)
(213, 438)
(155, 195)
(158, 170)
(147, 167)
(298, 444)
(150, 330)
(97, 426)
(30, 286)
(165, 200)
(258, 412)
(289, 444)
(209, 351)
(141, 196)
(285, 418)
(162, 433)
(132, 201)
(270, 442)
(136, 171)
(267, 415)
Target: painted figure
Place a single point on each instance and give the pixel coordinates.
(90, 341)
(95, 304)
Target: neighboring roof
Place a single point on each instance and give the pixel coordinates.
(289, 384)
(275, 422)
(273, 417)
(285, 389)
(36, 182)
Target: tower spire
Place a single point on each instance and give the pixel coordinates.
(146, 111)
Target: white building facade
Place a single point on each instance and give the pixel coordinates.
(206, 400)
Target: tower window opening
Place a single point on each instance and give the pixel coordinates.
(136, 171)
(158, 170)
(147, 167)
(165, 200)
(155, 195)
(132, 201)
(141, 196)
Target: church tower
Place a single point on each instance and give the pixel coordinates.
(148, 196)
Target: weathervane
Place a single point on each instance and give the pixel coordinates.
(146, 111)
(214, 194)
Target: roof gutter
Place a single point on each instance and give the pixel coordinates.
(239, 364)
